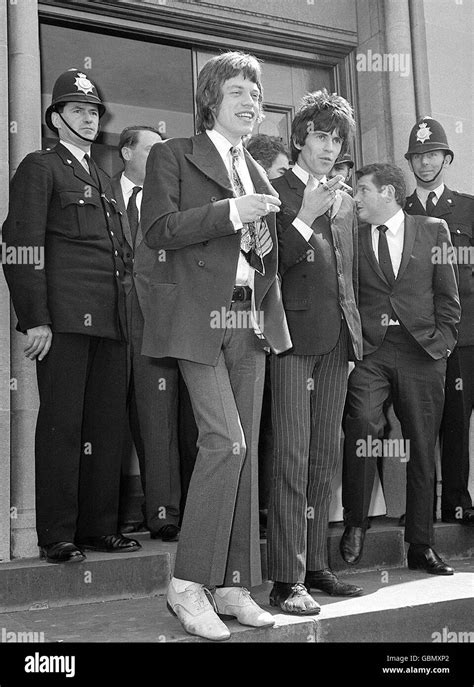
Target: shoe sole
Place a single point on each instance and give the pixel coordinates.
(104, 550)
(225, 616)
(193, 634)
(75, 559)
(430, 572)
(277, 604)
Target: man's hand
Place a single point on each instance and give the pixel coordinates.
(255, 205)
(38, 341)
(318, 199)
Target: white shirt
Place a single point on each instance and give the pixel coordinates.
(77, 152)
(423, 194)
(395, 236)
(127, 187)
(245, 274)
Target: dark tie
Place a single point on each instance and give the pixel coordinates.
(92, 169)
(385, 261)
(255, 240)
(132, 212)
(430, 206)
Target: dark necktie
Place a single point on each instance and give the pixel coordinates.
(132, 212)
(255, 240)
(430, 206)
(385, 261)
(92, 169)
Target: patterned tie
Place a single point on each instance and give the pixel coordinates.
(385, 261)
(430, 206)
(132, 212)
(255, 241)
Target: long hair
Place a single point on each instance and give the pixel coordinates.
(211, 79)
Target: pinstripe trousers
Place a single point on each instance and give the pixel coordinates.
(308, 395)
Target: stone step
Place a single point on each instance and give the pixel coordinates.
(29, 584)
(402, 606)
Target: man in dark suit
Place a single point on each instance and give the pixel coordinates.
(72, 313)
(409, 307)
(430, 156)
(152, 382)
(317, 235)
(214, 304)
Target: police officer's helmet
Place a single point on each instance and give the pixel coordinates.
(427, 135)
(345, 160)
(73, 85)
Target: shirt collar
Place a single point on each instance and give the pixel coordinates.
(75, 150)
(394, 224)
(222, 143)
(423, 193)
(127, 185)
(303, 175)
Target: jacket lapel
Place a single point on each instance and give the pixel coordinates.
(408, 241)
(207, 159)
(445, 205)
(414, 206)
(78, 170)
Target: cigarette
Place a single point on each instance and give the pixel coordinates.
(345, 186)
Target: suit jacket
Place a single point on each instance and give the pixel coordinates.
(457, 210)
(425, 295)
(319, 278)
(139, 258)
(185, 214)
(56, 206)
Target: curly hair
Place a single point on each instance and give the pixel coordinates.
(212, 77)
(322, 111)
(384, 174)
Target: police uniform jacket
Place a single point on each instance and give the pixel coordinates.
(56, 206)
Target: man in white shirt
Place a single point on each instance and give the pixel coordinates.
(214, 304)
(409, 308)
(152, 401)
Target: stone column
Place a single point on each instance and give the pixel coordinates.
(4, 309)
(24, 83)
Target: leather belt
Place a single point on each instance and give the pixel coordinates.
(242, 293)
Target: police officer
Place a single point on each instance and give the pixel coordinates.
(429, 157)
(71, 312)
(343, 165)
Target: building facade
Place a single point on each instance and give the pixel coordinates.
(394, 60)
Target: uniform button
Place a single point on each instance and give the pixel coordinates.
(81, 202)
(201, 263)
(115, 253)
(117, 273)
(111, 233)
(213, 199)
(108, 214)
(458, 231)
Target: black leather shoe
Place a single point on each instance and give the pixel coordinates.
(61, 552)
(293, 599)
(428, 560)
(352, 544)
(166, 533)
(110, 543)
(466, 519)
(326, 581)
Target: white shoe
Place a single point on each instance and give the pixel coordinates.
(193, 609)
(236, 602)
